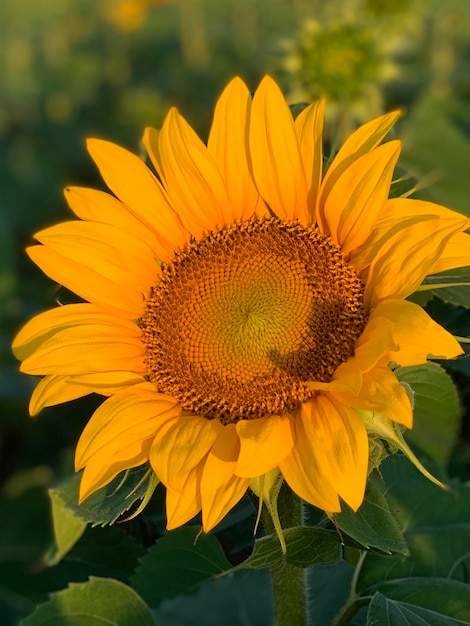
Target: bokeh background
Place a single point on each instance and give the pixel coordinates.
(108, 68)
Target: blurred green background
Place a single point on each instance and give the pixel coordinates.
(108, 68)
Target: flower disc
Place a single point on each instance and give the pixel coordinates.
(243, 318)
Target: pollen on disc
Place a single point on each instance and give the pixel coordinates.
(242, 319)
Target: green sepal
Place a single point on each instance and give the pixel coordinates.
(267, 488)
(378, 425)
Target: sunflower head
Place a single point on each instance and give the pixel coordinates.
(240, 308)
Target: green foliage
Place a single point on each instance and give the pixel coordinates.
(108, 504)
(374, 525)
(434, 577)
(305, 547)
(440, 594)
(178, 563)
(67, 528)
(436, 415)
(95, 603)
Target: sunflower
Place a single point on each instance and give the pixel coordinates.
(241, 311)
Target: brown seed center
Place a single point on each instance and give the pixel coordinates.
(242, 319)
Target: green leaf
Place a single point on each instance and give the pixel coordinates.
(306, 546)
(108, 504)
(243, 598)
(430, 601)
(67, 528)
(373, 525)
(436, 526)
(98, 602)
(108, 552)
(436, 411)
(180, 561)
(459, 295)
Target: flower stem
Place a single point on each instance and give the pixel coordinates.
(288, 581)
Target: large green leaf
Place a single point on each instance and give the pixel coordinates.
(430, 602)
(305, 547)
(108, 504)
(436, 526)
(67, 528)
(99, 602)
(373, 525)
(243, 598)
(458, 291)
(180, 561)
(436, 410)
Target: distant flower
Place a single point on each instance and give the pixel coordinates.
(242, 310)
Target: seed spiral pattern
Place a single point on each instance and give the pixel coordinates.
(243, 318)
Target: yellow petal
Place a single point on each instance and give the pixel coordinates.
(353, 206)
(406, 258)
(275, 153)
(376, 343)
(52, 390)
(45, 325)
(456, 254)
(228, 145)
(122, 423)
(307, 470)
(182, 507)
(339, 431)
(107, 383)
(362, 141)
(309, 127)
(85, 350)
(347, 377)
(98, 206)
(179, 446)
(399, 208)
(362, 257)
(419, 337)
(150, 140)
(84, 277)
(97, 474)
(119, 256)
(191, 178)
(220, 488)
(264, 443)
(381, 392)
(134, 184)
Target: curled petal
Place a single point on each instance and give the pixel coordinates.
(182, 507)
(52, 390)
(419, 337)
(381, 392)
(221, 489)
